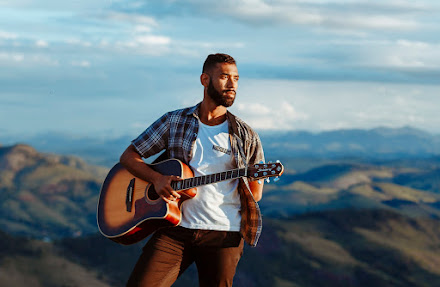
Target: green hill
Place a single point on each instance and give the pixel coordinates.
(47, 195)
(409, 187)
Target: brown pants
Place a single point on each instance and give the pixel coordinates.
(171, 251)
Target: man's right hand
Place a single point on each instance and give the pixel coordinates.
(162, 185)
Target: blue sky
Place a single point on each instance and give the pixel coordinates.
(110, 67)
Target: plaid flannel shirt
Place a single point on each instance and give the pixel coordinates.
(176, 133)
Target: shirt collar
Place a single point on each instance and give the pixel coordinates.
(194, 111)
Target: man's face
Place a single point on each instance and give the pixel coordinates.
(223, 83)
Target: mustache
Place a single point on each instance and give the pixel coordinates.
(230, 90)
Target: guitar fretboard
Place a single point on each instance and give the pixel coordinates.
(208, 179)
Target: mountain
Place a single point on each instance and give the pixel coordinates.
(374, 143)
(411, 187)
(47, 195)
(30, 262)
(377, 143)
(53, 196)
(346, 248)
(95, 150)
(327, 222)
(332, 248)
(360, 248)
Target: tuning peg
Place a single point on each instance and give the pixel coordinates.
(259, 181)
(276, 179)
(267, 180)
(278, 161)
(261, 161)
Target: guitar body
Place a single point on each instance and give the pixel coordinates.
(129, 208)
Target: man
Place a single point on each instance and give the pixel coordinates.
(209, 139)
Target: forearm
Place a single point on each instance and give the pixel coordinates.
(133, 162)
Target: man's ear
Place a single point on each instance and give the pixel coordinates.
(204, 79)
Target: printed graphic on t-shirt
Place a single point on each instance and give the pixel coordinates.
(221, 149)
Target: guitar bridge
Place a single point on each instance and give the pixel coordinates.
(129, 196)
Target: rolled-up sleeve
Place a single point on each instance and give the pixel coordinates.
(154, 139)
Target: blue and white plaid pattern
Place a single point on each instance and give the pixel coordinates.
(176, 133)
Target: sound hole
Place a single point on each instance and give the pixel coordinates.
(151, 193)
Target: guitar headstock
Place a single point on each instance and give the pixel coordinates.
(263, 170)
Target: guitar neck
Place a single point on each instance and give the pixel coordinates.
(208, 179)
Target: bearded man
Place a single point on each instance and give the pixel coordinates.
(209, 139)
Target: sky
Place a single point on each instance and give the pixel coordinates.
(109, 68)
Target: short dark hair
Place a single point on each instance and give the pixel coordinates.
(214, 59)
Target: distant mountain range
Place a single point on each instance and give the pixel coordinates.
(375, 143)
(378, 143)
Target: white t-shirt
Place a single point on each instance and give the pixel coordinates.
(216, 206)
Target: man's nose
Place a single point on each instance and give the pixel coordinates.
(231, 83)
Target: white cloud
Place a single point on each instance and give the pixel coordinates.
(402, 53)
(142, 29)
(272, 116)
(152, 45)
(14, 57)
(82, 64)
(7, 35)
(317, 105)
(339, 15)
(28, 59)
(78, 42)
(133, 19)
(152, 40)
(373, 22)
(41, 44)
(42, 60)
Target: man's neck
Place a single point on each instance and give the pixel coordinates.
(210, 114)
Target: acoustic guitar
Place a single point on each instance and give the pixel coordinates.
(129, 209)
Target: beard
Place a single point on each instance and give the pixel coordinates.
(218, 97)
